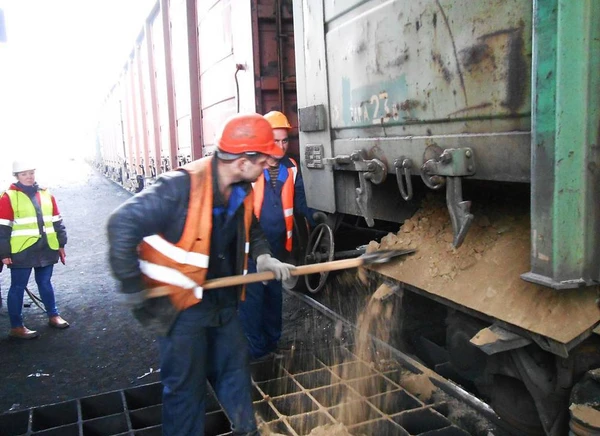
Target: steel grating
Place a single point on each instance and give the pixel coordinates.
(302, 392)
(133, 412)
(325, 381)
(292, 396)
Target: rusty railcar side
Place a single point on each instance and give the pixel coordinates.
(194, 64)
(246, 61)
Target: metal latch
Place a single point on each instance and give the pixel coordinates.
(369, 171)
(447, 167)
(403, 168)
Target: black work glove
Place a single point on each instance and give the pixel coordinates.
(156, 315)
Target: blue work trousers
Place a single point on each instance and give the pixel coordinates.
(19, 277)
(261, 315)
(205, 346)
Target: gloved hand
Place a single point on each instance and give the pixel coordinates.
(156, 315)
(319, 217)
(290, 283)
(133, 300)
(282, 271)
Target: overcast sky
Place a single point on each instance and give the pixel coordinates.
(58, 63)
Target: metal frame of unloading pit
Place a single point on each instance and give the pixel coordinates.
(292, 396)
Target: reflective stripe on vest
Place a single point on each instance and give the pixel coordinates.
(177, 254)
(287, 199)
(25, 229)
(182, 267)
(170, 276)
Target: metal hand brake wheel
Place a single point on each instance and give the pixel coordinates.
(320, 248)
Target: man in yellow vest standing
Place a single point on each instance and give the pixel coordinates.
(278, 193)
(194, 224)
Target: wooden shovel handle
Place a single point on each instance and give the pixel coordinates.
(223, 282)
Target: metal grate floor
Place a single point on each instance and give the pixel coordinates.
(292, 396)
(374, 391)
(135, 411)
(304, 391)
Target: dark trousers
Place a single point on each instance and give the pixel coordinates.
(261, 315)
(205, 345)
(19, 277)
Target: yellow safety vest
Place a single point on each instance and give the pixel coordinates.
(25, 229)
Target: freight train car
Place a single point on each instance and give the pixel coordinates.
(476, 124)
(194, 64)
(473, 124)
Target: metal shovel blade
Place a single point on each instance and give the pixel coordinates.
(384, 256)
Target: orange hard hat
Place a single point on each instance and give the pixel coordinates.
(278, 120)
(248, 133)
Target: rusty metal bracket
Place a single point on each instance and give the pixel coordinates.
(370, 171)
(451, 163)
(374, 170)
(364, 193)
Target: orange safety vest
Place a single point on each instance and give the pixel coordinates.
(182, 267)
(287, 200)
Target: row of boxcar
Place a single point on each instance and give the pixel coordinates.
(194, 64)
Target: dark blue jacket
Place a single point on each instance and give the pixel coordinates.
(162, 209)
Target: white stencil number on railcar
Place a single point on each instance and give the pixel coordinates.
(376, 110)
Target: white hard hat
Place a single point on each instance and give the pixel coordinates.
(22, 165)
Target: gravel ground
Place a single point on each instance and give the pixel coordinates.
(104, 349)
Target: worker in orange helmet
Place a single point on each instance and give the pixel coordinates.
(278, 195)
(197, 223)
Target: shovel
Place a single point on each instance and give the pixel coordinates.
(375, 257)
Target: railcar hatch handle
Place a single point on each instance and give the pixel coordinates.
(369, 171)
(451, 163)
